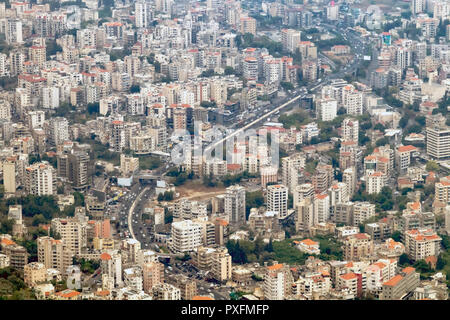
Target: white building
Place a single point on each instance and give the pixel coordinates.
(186, 236)
(327, 109)
(277, 199)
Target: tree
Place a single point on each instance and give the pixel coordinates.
(269, 246)
(432, 166)
(396, 236)
(404, 259)
(287, 85)
(229, 70)
(381, 142)
(440, 264)
(93, 108)
(135, 88)
(403, 122)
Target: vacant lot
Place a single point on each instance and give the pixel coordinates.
(195, 190)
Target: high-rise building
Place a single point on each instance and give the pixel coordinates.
(221, 264)
(290, 39)
(277, 199)
(375, 182)
(79, 169)
(54, 254)
(72, 232)
(278, 282)
(418, 6)
(186, 236)
(117, 137)
(128, 164)
(152, 275)
(327, 109)
(143, 14)
(248, 25)
(322, 207)
(422, 243)
(58, 131)
(438, 142)
(9, 175)
(362, 211)
(305, 215)
(14, 31)
(40, 179)
(235, 204)
(34, 273)
(302, 191)
(111, 266)
(357, 246)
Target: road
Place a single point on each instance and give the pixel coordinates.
(359, 50)
(131, 210)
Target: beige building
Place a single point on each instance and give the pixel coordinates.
(72, 232)
(54, 254)
(278, 282)
(221, 264)
(128, 165)
(400, 285)
(152, 275)
(34, 273)
(248, 25)
(187, 286)
(9, 175)
(357, 246)
(422, 243)
(165, 291)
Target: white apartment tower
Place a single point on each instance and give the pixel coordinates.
(143, 14)
(40, 179)
(186, 236)
(277, 199)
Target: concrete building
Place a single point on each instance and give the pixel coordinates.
(422, 243)
(34, 273)
(235, 204)
(277, 282)
(152, 275)
(186, 236)
(54, 254)
(357, 246)
(40, 179)
(277, 199)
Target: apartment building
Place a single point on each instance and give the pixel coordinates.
(235, 204)
(357, 246)
(422, 243)
(152, 275)
(278, 282)
(34, 273)
(54, 254)
(362, 211)
(72, 232)
(400, 285)
(40, 179)
(375, 182)
(185, 236)
(165, 291)
(277, 198)
(221, 264)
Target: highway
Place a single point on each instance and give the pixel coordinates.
(358, 48)
(131, 210)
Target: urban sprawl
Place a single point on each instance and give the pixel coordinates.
(330, 179)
